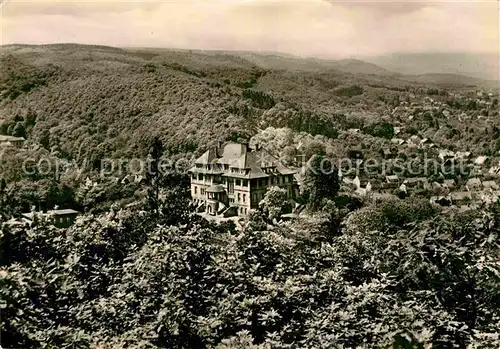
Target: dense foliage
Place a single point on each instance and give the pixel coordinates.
(135, 279)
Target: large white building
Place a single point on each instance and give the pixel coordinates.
(233, 179)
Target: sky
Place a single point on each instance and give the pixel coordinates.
(326, 28)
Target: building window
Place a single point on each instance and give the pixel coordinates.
(195, 190)
(245, 183)
(202, 191)
(239, 197)
(200, 176)
(244, 198)
(238, 182)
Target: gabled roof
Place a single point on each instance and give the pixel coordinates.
(207, 158)
(449, 182)
(490, 185)
(457, 196)
(64, 212)
(473, 181)
(231, 152)
(480, 160)
(236, 156)
(392, 178)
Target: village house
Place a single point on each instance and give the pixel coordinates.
(392, 182)
(461, 198)
(480, 161)
(473, 184)
(398, 141)
(417, 183)
(446, 154)
(388, 153)
(463, 155)
(490, 185)
(449, 184)
(441, 200)
(16, 142)
(233, 179)
(494, 171)
(59, 218)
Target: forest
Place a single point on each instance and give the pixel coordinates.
(140, 269)
(391, 273)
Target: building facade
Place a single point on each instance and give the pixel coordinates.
(16, 142)
(233, 179)
(59, 218)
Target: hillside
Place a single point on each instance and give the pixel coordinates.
(481, 66)
(95, 101)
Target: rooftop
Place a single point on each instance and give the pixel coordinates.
(241, 162)
(4, 138)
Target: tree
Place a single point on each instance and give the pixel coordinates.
(321, 181)
(3, 192)
(154, 175)
(274, 203)
(380, 129)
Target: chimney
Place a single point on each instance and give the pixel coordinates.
(246, 146)
(219, 149)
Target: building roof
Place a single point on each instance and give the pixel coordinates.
(458, 196)
(209, 157)
(4, 138)
(449, 182)
(490, 185)
(480, 160)
(474, 181)
(392, 178)
(445, 153)
(415, 180)
(62, 212)
(398, 141)
(463, 154)
(243, 163)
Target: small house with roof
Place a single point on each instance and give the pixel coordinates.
(417, 183)
(59, 218)
(16, 142)
(490, 185)
(481, 161)
(461, 198)
(473, 184)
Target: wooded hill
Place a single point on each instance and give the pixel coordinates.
(96, 101)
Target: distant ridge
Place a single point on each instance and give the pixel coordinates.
(435, 68)
(480, 65)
